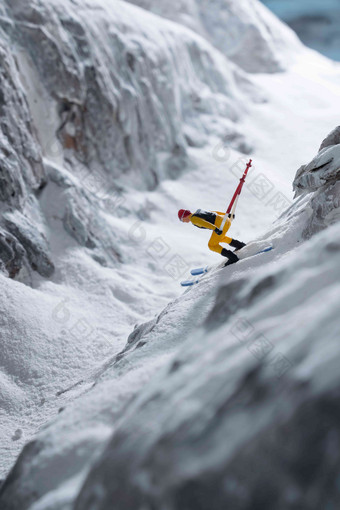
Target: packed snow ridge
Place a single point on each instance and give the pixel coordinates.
(244, 409)
(112, 117)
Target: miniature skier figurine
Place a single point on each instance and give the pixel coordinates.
(212, 220)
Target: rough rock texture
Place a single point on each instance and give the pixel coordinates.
(129, 99)
(322, 170)
(21, 168)
(321, 178)
(109, 120)
(332, 139)
(245, 31)
(12, 253)
(20, 154)
(33, 241)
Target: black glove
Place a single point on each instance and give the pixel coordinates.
(218, 231)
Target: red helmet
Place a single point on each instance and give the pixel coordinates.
(183, 213)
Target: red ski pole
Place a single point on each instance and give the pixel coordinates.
(237, 193)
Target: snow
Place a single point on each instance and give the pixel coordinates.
(107, 221)
(154, 454)
(234, 28)
(162, 436)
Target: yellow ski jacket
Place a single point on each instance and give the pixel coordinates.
(211, 220)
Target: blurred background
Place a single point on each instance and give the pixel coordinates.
(317, 22)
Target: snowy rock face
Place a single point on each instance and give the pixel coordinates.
(245, 31)
(246, 416)
(97, 94)
(119, 109)
(321, 178)
(241, 405)
(22, 173)
(332, 139)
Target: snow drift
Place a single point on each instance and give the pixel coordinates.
(244, 409)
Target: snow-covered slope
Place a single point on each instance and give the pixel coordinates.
(116, 110)
(100, 102)
(246, 414)
(229, 370)
(112, 119)
(316, 23)
(245, 31)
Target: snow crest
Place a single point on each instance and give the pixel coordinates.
(245, 31)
